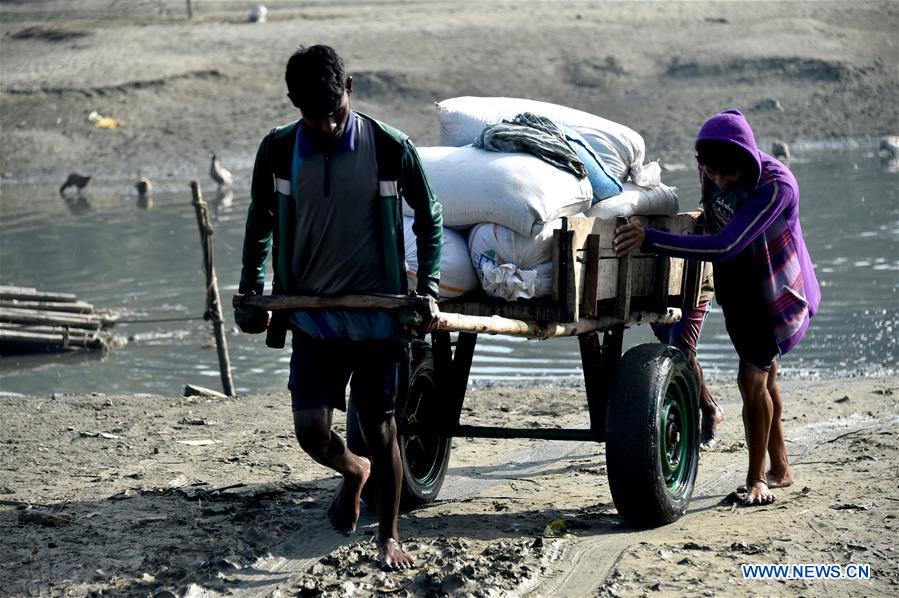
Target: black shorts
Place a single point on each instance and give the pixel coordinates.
(321, 369)
(750, 332)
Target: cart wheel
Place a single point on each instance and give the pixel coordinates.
(652, 435)
(425, 456)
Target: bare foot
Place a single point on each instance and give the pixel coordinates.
(392, 556)
(775, 479)
(758, 495)
(346, 505)
(780, 479)
(710, 420)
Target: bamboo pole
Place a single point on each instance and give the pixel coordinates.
(52, 341)
(30, 316)
(362, 301)
(544, 330)
(459, 322)
(75, 307)
(213, 300)
(30, 294)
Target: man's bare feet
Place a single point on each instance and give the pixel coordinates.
(780, 479)
(392, 557)
(775, 479)
(758, 494)
(346, 505)
(711, 417)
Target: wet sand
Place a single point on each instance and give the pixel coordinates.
(103, 493)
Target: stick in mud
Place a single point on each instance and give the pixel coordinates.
(213, 302)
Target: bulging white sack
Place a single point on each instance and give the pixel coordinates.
(660, 200)
(621, 149)
(516, 190)
(457, 276)
(512, 266)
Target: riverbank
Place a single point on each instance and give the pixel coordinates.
(132, 495)
(811, 73)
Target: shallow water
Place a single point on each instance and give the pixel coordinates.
(116, 255)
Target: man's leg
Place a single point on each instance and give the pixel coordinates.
(684, 335)
(780, 473)
(757, 415)
(712, 414)
(374, 386)
(318, 378)
(313, 431)
(380, 436)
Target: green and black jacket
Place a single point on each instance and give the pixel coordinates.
(271, 214)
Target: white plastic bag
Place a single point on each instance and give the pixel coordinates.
(516, 190)
(512, 266)
(457, 276)
(621, 149)
(661, 200)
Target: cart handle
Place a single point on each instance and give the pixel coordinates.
(416, 306)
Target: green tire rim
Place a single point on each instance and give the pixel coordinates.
(676, 436)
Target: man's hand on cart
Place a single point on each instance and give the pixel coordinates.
(251, 320)
(416, 323)
(629, 238)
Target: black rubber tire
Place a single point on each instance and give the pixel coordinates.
(425, 457)
(654, 380)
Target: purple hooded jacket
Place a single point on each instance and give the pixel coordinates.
(766, 221)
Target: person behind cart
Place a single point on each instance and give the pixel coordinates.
(684, 334)
(325, 200)
(764, 280)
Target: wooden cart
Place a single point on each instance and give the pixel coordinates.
(643, 405)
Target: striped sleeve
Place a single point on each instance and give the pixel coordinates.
(763, 206)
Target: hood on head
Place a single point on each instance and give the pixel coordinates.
(732, 127)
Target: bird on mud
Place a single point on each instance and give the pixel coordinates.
(219, 173)
(144, 187)
(76, 180)
(257, 14)
(889, 147)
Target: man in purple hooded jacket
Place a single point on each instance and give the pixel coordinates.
(764, 280)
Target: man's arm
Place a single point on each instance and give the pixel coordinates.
(428, 224)
(260, 220)
(746, 225)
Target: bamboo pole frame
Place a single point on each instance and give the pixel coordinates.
(458, 322)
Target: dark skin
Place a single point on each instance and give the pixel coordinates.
(762, 403)
(313, 426)
(712, 414)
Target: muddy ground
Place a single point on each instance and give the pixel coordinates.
(125, 495)
(820, 72)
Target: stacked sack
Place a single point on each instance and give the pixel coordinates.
(456, 273)
(512, 202)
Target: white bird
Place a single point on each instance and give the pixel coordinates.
(257, 14)
(219, 173)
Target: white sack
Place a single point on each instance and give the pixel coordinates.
(517, 190)
(621, 149)
(661, 200)
(512, 266)
(457, 276)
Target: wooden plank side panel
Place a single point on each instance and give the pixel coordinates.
(591, 280)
